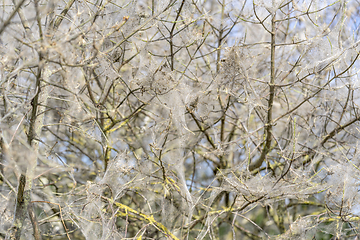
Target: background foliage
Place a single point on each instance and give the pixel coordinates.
(179, 119)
